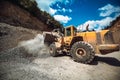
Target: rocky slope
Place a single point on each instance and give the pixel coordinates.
(115, 29)
(14, 15)
(10, 36)
(115, 24)
(25, 13)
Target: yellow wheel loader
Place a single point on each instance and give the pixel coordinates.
(82, 46)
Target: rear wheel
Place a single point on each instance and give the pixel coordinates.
(82, 52)
(53, 50)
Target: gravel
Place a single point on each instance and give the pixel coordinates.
(30, 61)
(18, 64)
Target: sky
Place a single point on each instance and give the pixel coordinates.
(97, 13)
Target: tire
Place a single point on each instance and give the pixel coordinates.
(53, 50)
(82, 52)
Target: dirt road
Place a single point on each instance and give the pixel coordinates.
(19, 64)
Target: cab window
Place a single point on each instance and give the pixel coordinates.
(74, 31)
(68, 32)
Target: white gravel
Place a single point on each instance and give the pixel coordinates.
(19, 64)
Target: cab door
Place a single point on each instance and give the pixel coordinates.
(68, 35)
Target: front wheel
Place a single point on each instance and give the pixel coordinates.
(53, 50)
(82, 52)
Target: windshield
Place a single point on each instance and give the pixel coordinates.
(68, 32)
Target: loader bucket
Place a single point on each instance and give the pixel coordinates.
(48, 38)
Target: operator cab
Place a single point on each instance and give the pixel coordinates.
(70, 31)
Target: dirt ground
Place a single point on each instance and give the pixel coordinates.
(28, 59)
(15, 65)
(22, 63)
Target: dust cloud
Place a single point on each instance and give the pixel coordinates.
(35, 46)
(17, 63)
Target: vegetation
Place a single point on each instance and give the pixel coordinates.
(31, 6)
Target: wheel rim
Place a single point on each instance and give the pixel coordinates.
(80, 52)
(51, 50)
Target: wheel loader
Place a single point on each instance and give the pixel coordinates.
(82, 46)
